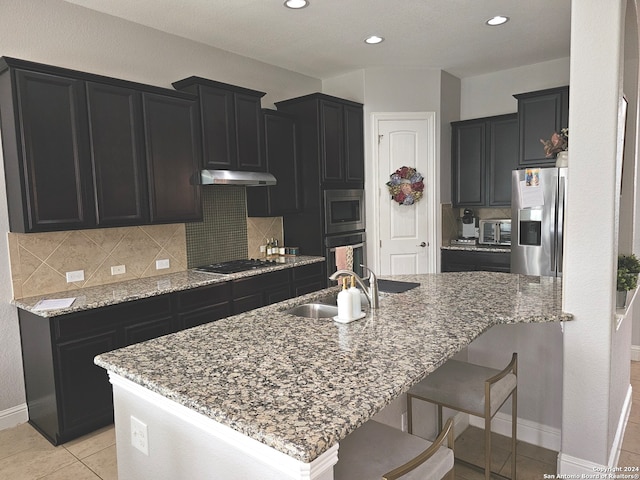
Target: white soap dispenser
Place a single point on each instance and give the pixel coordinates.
(345, 308)
(355, 298)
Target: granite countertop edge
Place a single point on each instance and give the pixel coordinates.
(89, 298)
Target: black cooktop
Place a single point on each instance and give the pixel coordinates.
(235, 266)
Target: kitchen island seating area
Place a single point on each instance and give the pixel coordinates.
(473, 389)
(376, 448)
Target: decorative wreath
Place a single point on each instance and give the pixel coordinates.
(406, 186)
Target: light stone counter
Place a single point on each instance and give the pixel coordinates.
(301, 385)
(111, 294)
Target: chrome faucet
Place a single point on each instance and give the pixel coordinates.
(371, 291)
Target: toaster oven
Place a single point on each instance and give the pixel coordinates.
(495, 232)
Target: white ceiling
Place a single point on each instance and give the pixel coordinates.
(325, 39)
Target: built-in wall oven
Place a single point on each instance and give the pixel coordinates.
(343, 211)
(354, 240)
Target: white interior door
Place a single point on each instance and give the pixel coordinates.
(406, 233)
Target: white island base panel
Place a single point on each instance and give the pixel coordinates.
(184, 444)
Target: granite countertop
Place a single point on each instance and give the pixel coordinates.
(113, 293)
(301, 385)
(479, 248)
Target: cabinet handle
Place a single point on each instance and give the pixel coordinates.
(423, 244)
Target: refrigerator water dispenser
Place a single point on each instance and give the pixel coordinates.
(530, 227)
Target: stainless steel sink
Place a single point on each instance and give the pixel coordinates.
(314, 310)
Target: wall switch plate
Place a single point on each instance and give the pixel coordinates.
(118, 270)
(404, 423)
(75, 276)
(139, 438)
(160, 264)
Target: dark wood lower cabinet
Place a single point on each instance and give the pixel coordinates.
(69, 396)
(260, 290)
(472, 260)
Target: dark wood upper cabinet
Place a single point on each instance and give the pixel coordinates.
(332, 135)
(503, 145)
(469, 163)
(231, 122)
(173, 151)
(45, 145)
(540, 114)
(281, 158)
(80, 152)
(484, 152)
(117, 155)
(354, 144)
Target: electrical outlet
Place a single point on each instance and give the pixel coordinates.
(75, 276)
(118, 270)
(139, 438)
(160, 264)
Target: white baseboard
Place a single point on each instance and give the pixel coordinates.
(569, 465)
(635, 353)
(614, 455)
(14, 416)
(528, 431)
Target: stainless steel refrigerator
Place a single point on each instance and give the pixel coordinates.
(538, 199)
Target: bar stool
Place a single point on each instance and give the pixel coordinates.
(376, 448)
(472, 389)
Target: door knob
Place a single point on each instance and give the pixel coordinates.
(423, 244)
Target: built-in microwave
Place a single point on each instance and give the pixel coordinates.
(495, 232)
(343, 211)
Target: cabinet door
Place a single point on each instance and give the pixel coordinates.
(539, 115)
(117, 156)
(503, 158)
(53, 133)
(332, 141)
(248, 125)
(173, 158)
(281, 158)
(277, 294)
(354, 145)
(218, 128)
(85, 390)
(469, 163)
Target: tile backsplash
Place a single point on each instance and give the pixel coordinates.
(222, 234)
(39, 261)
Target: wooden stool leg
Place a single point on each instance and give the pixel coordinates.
(514, 431)
(409, 415)
(487, 447)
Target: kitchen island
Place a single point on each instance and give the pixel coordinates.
(266, 394)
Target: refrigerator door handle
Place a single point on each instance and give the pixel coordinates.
(560, 223)
(554, 233)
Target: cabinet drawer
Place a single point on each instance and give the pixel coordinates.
(203, 296)
(204, 315)
(248, 286)
(307, 271)
(79, 324)
(461, 261)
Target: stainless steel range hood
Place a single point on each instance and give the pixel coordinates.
(233, 177)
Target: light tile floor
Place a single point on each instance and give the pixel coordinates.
(26, 455)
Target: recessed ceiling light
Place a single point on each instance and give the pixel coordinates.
(373, 39)
(497, 20)
(296, 3)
